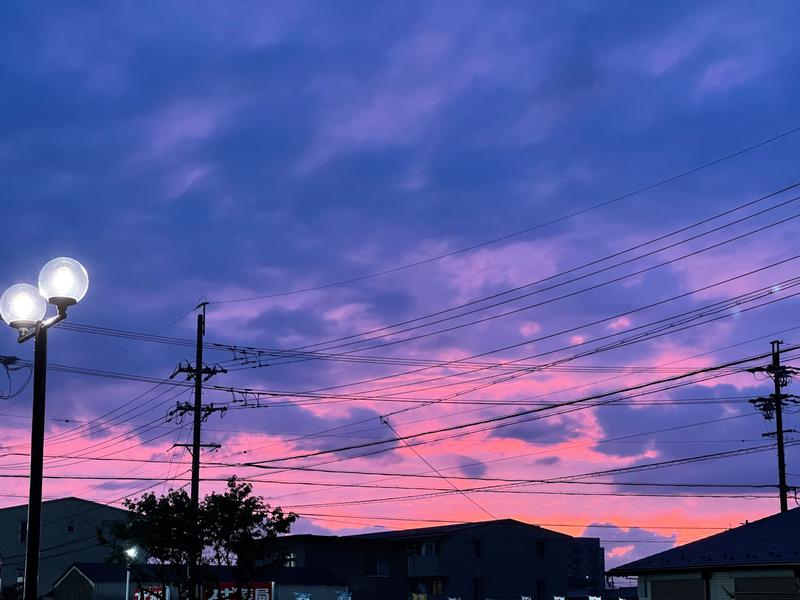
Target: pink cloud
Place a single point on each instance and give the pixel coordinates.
(619, 324)
(619, 551)
(530, 328)
(510, 265)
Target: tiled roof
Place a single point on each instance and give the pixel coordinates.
(772, 541)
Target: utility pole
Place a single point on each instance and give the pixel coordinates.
(200, 373)
(772, 405)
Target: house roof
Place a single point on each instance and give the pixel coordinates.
(98, 572)
(772, 541)
(446, 529)
(69, 499)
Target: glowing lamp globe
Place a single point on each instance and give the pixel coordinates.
(63, 281)
(132, 552)
(21, 306)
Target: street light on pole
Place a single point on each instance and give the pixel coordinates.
(62, 283)
(131, 554)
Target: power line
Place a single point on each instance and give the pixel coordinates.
(316, 467)
(331, 344)
(497, 426)
(572, 388)
(438, 472)
(593, 207)
(538, 524)
(297, 352)
(248, 391)
(669, 325)
(515, 415)
(561, 297)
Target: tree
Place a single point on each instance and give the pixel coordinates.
(234, 529)
(242, 531)
(164, 531)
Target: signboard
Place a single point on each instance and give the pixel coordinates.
(150, 593)
(227, 591)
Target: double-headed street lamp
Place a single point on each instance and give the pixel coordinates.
(62, 283)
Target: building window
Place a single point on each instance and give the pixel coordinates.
(376, 568)
(476, 548)
(760, 588)
(290, 560)
(541, 588)
(429, 549)
(686, 589)
(70, 528)
(23, 532)
(539, 550)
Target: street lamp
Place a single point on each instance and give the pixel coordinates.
(62, 282)
(131, 554)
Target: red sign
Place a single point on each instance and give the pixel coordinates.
(151, 593)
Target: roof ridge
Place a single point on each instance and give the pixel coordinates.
(769, 540)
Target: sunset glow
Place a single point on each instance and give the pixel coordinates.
(528, 252)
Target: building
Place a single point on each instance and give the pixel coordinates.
(756, 561)
(103, 581)
(585, 568)
(69, 534)
(372, 568)
(490, 559)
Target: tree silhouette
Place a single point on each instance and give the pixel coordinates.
(233, 529)
(242, 530)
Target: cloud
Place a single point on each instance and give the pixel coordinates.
(471, 468)
(228, 154)
(530, 328)
(729, 73)
(420, 76)
(618, 324)
(634, 542)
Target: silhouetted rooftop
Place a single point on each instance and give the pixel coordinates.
(772, 541)
(115, 573)
(446, 529)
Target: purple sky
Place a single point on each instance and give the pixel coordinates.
(217, 151)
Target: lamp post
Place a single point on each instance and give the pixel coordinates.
(131, 554)
(62, 282)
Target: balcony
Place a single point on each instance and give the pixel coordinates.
(423, 566)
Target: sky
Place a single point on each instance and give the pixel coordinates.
(409, 202)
